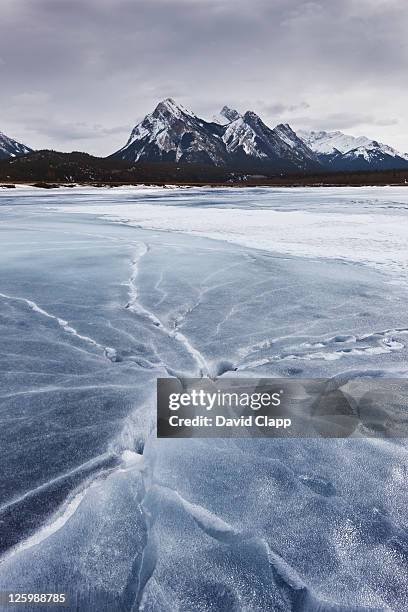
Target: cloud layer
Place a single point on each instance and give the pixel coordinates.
(78, 74)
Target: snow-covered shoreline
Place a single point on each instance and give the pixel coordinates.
(89, 188)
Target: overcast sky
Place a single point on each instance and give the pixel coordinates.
(79, 74)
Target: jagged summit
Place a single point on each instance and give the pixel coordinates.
(285, 130)
(229, 113)
(169, 106)
(173, 133)
(298, 147)
(226, 115)
(249, 136)
(250, 116)
(244, 137)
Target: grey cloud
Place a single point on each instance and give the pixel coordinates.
(74, 131)
(279, 108)
(97, 61)
(342, 121)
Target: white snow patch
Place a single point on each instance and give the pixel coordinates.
(132, 460)
(374, 238)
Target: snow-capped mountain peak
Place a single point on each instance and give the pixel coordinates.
(11, 148)
(345, 152)
(226, 115)
(173, 133)
(168, 106)
(377, 155)
(375, 145)
(297, 145)
(229, 113)
(254, 120)
(332, 142)
(166, 112)
(242, 137)
(249, 135)
(288, 135)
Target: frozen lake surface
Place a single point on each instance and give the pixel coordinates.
(103, 291)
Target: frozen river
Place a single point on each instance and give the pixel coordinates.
(103, 291)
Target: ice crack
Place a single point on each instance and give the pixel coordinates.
(135, 306)
(108, 352)
(293, 589)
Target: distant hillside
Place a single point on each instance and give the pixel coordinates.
(62, 168)
(76, 167)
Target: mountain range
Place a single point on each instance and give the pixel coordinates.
(341, 152)
(235, 141)
(173, 133)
